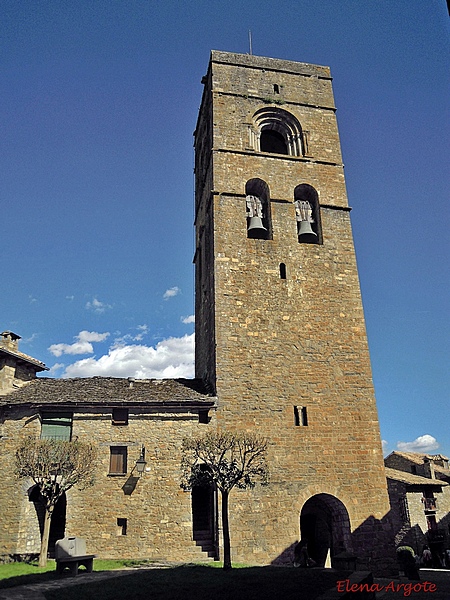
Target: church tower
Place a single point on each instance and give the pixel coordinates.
(280, 332)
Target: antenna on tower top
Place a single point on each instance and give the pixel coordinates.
(250, 41)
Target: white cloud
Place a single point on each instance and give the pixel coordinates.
(82, 345)
(127, 338)
(384, 445)
(171, 292)
(97, 306)
(424, 443)
(54, 370)
(92, 336)
(189, 319)
(170, 358)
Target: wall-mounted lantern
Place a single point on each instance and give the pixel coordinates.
(141, 462)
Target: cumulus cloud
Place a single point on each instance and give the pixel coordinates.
(424, 443)
(82, 344)
(171, 292)
(170, 358)
(189, 319)
(127, 338)
(55, 369)
(384, 445)
(97, 306)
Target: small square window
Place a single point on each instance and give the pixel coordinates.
(120, 416)
(118, 460)
(121, 527)
(203, 417)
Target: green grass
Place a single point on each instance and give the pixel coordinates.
(24, 573)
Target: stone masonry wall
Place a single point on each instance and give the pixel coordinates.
(294, 342)
(158, 512)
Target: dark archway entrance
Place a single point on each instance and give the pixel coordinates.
(58, 522)
(204, 519)
(325, 525)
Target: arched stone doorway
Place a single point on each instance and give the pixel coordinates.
(58, 522)
(325, 525)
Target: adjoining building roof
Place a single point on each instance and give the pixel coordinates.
(111, 391)
(20, 356)
(417, 457)
(411, 479)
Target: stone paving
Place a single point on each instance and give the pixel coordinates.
(391, 589)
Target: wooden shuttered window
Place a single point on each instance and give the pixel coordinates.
(118, 460)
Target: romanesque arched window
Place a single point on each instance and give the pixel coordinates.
(277, 131)
(257, 204)
(307, 210)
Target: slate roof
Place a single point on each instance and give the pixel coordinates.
(411, 479)
(94, 391)
(417, 459)
(39, 366)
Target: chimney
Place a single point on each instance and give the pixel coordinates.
(428, 467)
(10, 340)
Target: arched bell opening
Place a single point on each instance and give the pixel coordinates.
(306, 201)
(325, 527)
(258, 214)
(272, 141)
(278, 131)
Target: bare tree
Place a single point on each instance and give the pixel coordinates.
(55, 466)
(225, 460)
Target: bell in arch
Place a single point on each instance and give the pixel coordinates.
(255, 225)
(304, 218)
(306, 229)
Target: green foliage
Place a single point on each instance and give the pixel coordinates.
(226, 459)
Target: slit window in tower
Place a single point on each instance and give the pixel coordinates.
(300, 416)
(282, 271)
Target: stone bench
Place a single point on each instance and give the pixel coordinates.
(73, 562)
(70, 552)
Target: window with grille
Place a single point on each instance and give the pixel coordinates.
(56, 426)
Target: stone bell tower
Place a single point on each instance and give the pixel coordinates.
(280, 332)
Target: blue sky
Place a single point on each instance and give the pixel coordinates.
(99, 101)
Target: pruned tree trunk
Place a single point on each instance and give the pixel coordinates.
(226, 532)
(45, 538)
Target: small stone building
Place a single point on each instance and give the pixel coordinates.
(419, 493)
(125, 514)
(281, 350)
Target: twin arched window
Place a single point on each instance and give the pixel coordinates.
(258, 213)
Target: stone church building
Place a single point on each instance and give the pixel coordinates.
(281, 350)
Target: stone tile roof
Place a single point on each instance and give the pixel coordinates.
(40, 366)
(411, 479)
(418, 459)
(110, 390)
